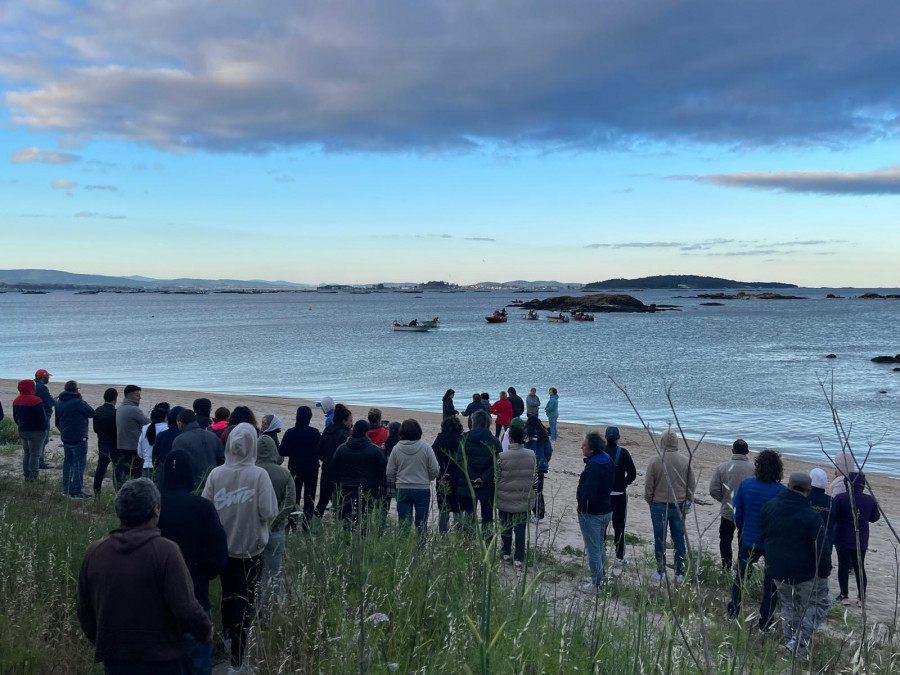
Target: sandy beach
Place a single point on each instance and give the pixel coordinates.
(562, 528)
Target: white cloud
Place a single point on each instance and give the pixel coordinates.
(33, 154)
(62, 184)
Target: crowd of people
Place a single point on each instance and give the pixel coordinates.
(213, 485)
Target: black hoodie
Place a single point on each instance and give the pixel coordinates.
(301, 444)
(203, 407)
(163, 443)
(359, 463)
(334, 436)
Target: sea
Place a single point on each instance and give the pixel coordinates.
(754, 369)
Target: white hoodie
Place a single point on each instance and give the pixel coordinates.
(243, 495)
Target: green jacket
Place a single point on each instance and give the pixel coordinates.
(267, 458)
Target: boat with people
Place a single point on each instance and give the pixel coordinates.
(412, 327)
(581, 316)
(499, 316)
(431, 323)
(558, 318)
(531, 315)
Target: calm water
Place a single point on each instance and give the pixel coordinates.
(746, 369)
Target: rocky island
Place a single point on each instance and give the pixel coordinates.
(600, 302)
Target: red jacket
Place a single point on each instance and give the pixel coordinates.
(378, 435)
(503, 410)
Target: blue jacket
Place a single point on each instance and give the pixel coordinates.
(41, 391)
(543, 453)
(552, 407)
(595, 484)
(748, 502)
(72, 414)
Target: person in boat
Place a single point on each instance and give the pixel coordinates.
(414, 322)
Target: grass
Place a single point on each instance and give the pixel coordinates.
(9, 436)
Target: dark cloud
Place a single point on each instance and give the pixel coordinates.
(434, 76)
(108, 188)
(879, 182)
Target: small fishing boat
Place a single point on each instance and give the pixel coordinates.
(409, 328)
(433, 323)
(516, 302)
(581, 316)
(531, 315)
(558, 318)
(499, 316)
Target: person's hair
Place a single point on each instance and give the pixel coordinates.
(740, 447)
(222, 415)
(476, 397)
(342, 414)
(242, 413)
(595, 442)
(110, 395)
(187, 416)
(157, 415)
(511, 390)
(410, 430)
(452, 425)
(533, 390)
(502, 395)
(553, 389)
(517, 434)
(130, 389)
(374, 416)
(360, 429)
(135, 502)
(164, 405)
(485, 396)
(449, 392)
(70, 386)
(481, 420)
(768, 467)
(534, 427)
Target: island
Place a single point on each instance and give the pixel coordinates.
(680, 282)
(600, 302)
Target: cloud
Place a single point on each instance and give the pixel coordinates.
(62, 184)
(33, 215)
(479, 239)
(33, 154)
(109, 188)
(879, 182)
(434, 76)
(639, 244)
(94, 214)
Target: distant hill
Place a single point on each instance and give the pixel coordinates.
(680, 281)
(55, 278)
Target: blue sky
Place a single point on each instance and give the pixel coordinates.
(339, 142)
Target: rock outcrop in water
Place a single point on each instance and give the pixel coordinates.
(887, 359)
(600, 302)
(749, 296)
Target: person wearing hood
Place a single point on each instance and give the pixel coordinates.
(204, 448)
(327, 406)
(594, 506)
(412, 466)
(271, 425)
(41, 380)
(625, 475)
(193, 523)
(245, 500)
(538, 440)
(358, 468)
(105, 428)
(135, 595)
(822, 504)
(447, 407)
(725, 481)
(445, 447)
(516, 467)
(149, 433)
(551, 409)
(301, 446)
(333, 437)
(532, 403)
(31, 420)
(72, 415)
(474, 473)
(669, 489)
(852, 515)
(202, 407)
(165, 439)
(843, 465)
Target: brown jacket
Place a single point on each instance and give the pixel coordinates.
(681, 475)
(136, 599)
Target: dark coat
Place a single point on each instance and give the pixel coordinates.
(72, 415)
(204, 448)
(477, 458)
(449, 410)
(842, 512)
(625, 469)
(518, 405)
(334, 436)
(595, 485)
(203, 408)
(359, 463)
(28, 409)
(43, 393)
(543, 452)
(162, 446)
(792, 535)
(105, 426)
(301, 444)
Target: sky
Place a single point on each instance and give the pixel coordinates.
(465, 141)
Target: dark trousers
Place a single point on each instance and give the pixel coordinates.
(104, 457)
(305, 484)
(144, 668)
(467, 512)
(746, 557)
(355, 504)
(539, 508)
(239, 581)
(727, 529)
(619, 514)
(847, 558)
(500, 428)
(326, 492)
(127, 466)
(513, 524)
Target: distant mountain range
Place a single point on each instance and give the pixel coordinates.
(680, 281)
(56, 278)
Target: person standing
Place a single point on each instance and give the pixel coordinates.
(792, 535)
(135, 596)
(105, 428)
(378, 432)
(31, 420)
(725, 481)
(72, 415)
(245, 501)
(334, 436)
(518, 405)
(532, 403)
(552, 412)
(473, 407)
(474, 473)
(412, 466)
(193, 523)
(129, 423)
(447, 407)
(202, 407)
(445, 447)
(852, 515)
(749, 499)
(625, 475)
(822, 504)
(358, 468)
(41, 380)
(515, 494)
(594, 506)
(669, 490)
(538, 441)
(204, 448)
(301, 446)
(503, 410)
(327, 405)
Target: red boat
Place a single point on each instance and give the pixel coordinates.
(581, 316)
(499, 316)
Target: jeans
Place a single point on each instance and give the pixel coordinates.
(513, 524)
(552, 422)
(593, 531)
(270, 577)
(747, 555)
(42, 464)
(239, 580)
(847, 558)
(619, 514)
(32, 442)
(663, 514)
(726, 537)
(104, 458)
(74, 460)
(198, 654)
(413, 498)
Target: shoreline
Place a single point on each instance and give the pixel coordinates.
(562, 528)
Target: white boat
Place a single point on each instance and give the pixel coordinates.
(418, 328)
(558, 318)
(531, 315)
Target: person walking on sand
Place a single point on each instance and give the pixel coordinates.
(41, 380)
(412, 466)
(532, 403)
(852, 515)
(515, 494)
(129, 423)
(503, 410)
(552, 412)
(749, 499)
(725, 481)
(518, 405)
(538, 441)
(245, 501)
(72, 415)
(135, 595)
(31, 420)
(625, 475)
(594, 506)
(669, 490)
(105, 428)
(301, 446)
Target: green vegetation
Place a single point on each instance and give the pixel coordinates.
(9, 436)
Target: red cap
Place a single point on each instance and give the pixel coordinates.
(43, 373)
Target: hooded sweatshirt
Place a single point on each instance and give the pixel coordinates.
(359, 463)
(163, 443)
(243, 495)
(28, 409)
(680, 473)
(842, 512)
(552, 407)
(843, 466)
(301, 443)
(203, 407)
(595, 485)
(282, 483)
(72, 414)
(413, 465)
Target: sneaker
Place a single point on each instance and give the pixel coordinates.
(589, 587)
(542, 520)
(621, 561)
(859, 602)
(845, 601)
(767, 630)
(45, 466)
(518, 564)
(506, 557)
(81, 495)
(679, 578)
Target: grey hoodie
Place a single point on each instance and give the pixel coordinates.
(412, 465)
(242, 494)
(532, 404)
